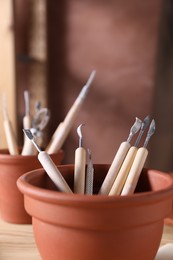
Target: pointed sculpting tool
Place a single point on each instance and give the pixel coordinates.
(49, 166)
(60, 135)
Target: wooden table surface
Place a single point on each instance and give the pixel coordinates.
(17, 241)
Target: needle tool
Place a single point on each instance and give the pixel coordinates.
(118, 159)
(138, 164)
(49, 166)
(89, 175)
(127, 163)
(9, 132)
(80, 164)
(62, 132)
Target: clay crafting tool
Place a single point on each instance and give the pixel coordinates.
(80, 164)
(89, 175)
(118, 159)
(49, 166)
(61, 134)
(9, 132)
(127, 163)
(138, 164)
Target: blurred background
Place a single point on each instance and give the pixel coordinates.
(50, 48)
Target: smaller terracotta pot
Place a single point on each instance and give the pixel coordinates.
(75, 227)
(11, 168)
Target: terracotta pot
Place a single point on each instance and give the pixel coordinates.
(97, 227)
(169, 219)
(11, 200)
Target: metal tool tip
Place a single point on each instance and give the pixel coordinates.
(28, 133)
(79, 131)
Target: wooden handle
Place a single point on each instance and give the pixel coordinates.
(28, 148)
(114, 168)
(27, 122)
(60, 137)
(123, 172)
(135, 171)
(11, 141)
(79, 171)
(52, 146)
(53, 172)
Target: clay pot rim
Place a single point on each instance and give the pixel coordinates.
(54, 197)
(4, 155)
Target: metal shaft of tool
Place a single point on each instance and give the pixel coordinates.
(31, 137)
(89, 175)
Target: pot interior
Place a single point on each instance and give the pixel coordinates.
(150, 180)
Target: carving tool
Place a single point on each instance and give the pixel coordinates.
(80, 164)
(118, 159)
(9, 132)
(49, 166)
(127, 163)
(89, 175)
(138, 164)
(58, 139)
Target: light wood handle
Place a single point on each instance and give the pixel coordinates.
(123, 172)
(27, 122)
(53, 172)
(28, 148)
(10, 137)
(114, 168)
(79, 171)
(52, 143)
(59, 138)
(135, 171)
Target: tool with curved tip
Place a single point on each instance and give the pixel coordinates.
(80, 164)
(127, 163)
(138, 164)
(118, 159)
(49, 166)
(58, 139)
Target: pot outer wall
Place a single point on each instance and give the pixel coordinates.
(79, 228)
(11, 199)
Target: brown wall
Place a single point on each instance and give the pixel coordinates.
(119, 40)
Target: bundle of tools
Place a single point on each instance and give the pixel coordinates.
(123, 174)
(39, 121)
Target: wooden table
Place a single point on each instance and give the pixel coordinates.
(17, 241)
